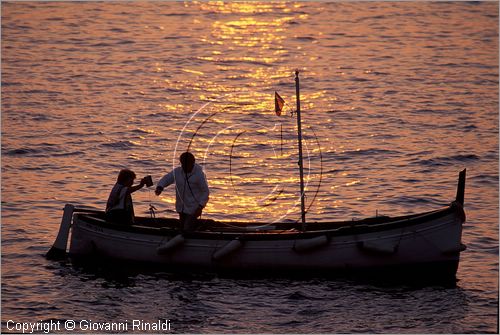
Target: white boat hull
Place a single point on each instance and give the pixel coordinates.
(432, 238)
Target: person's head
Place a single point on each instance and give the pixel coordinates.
(187, 161)
(126, 177)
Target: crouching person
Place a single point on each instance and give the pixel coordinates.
(119, 208)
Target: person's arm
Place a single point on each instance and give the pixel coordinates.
(204, 191)
(167, 180)
(132, 189)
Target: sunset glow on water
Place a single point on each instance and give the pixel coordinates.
(396, 99)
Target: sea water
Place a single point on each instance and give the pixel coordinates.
(396, 99)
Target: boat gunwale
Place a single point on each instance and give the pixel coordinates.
(343, 228)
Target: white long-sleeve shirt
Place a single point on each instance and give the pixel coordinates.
(191, 190)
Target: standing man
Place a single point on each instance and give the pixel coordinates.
(191, 190)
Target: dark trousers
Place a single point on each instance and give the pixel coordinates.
(188, 222)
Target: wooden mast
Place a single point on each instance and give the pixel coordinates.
(301, 165)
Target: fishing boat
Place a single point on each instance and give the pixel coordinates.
(427, 243)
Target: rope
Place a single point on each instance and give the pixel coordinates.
(320, 173)
(199, 127)
(152, 208)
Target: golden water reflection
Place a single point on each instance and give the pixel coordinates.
(240, 53)
(248, 7)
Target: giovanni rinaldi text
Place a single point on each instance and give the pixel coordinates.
(88, 325)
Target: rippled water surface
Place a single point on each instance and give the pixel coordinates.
(397, 98)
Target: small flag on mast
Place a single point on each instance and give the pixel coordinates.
(278, 103)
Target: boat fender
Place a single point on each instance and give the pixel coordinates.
(58, 250)
(170, 245)
(377, 247)
(453, 251)
(311, 243)
(228, 249)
